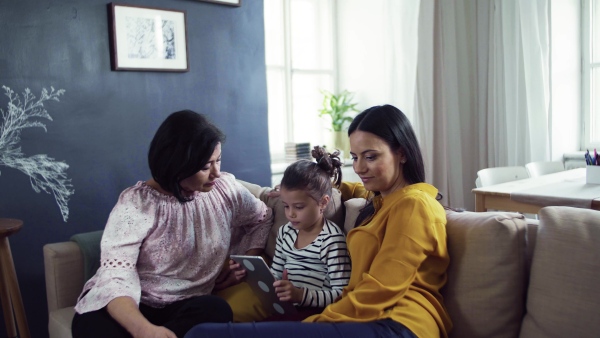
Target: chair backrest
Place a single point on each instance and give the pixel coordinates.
(544, 167)
(491, 176)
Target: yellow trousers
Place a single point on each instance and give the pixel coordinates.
(245, 305)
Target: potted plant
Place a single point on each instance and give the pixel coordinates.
(339, 108)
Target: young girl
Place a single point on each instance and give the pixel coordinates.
(311, 261)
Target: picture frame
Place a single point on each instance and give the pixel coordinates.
(236, 3)
(147, 39)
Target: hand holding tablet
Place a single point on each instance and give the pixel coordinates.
(260, 279)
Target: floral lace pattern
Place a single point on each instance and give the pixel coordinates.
(157, 250)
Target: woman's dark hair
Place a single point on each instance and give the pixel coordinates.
(314, 177)
(391, 125)
(182, 145)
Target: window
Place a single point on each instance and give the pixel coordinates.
(300, 58)
(591, 73)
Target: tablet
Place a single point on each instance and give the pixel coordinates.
(260, 279)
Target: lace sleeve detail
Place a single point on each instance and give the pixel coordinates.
(128, 225)
(115, 263)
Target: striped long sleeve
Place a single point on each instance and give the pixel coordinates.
(322, 268)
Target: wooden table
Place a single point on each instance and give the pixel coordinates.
(498, 196)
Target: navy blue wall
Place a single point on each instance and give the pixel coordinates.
(104, 122)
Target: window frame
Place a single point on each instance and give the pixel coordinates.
(288, 71)
(586, 70)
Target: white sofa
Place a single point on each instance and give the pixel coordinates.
(508, 277)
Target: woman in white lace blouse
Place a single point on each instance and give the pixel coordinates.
(166, 240)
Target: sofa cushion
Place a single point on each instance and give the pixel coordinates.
(485, 292)
(59, 322)
(532, 229)
(352, 207)
(89, 244)
(63, 265)
(563, 298)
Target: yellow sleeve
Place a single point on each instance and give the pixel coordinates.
(353, 190)
(405, 245)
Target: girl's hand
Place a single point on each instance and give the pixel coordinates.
(286, 291)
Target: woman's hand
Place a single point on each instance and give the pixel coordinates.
(238, 272)
(153, 331)
(275, 192)
(231, 274)
(286, 291)
(126, 312)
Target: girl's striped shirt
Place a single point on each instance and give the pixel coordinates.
(322, 268)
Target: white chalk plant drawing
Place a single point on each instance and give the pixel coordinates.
(45, 173)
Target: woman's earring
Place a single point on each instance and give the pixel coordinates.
(403, 161)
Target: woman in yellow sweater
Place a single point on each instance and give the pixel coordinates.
(398, 247)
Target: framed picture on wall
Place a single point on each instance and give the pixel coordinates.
(147, 39)
(225, 2)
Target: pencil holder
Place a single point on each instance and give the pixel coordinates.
(592, 174)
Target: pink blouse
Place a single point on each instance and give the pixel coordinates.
(157, 250)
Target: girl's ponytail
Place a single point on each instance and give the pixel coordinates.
(330, 163)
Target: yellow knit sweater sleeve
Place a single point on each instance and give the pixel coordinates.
(353, 190)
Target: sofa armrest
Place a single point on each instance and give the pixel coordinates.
(63, 264)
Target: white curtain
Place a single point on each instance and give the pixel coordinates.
(493, 98)
(472, 75)
(519, 86)
(377, 51)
